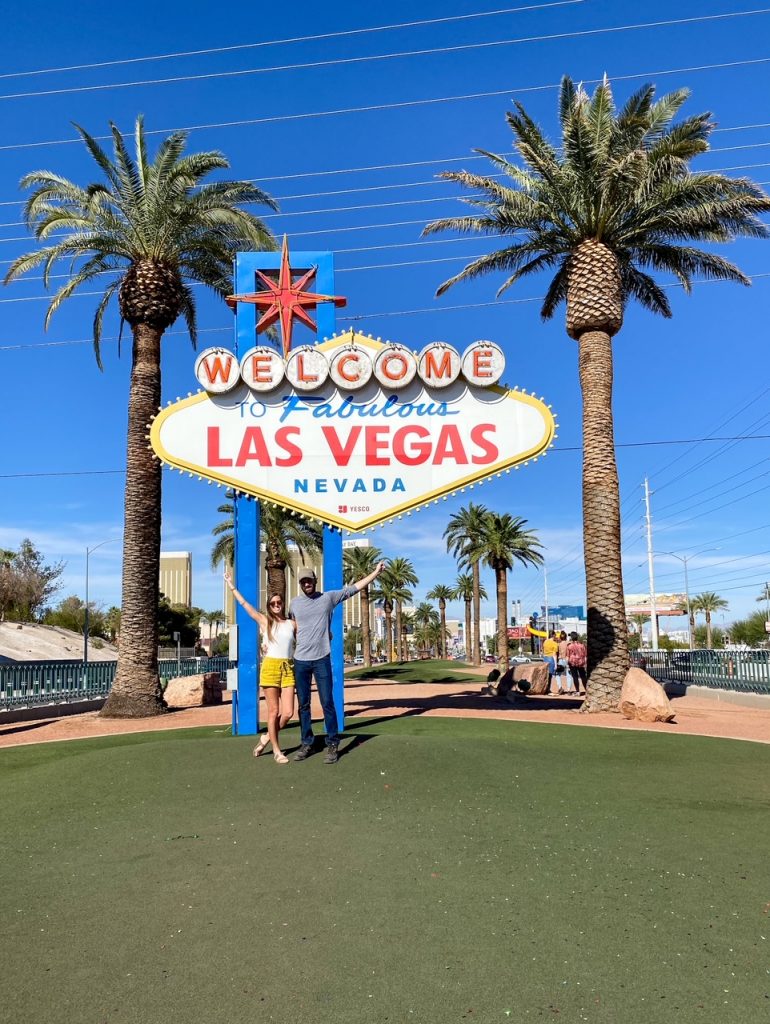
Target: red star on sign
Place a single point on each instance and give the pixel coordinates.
(284, 300)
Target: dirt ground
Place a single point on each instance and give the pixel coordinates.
(694, 716)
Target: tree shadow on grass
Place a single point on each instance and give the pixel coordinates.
(467, 700)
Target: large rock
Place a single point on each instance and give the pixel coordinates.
(194, 691)
(536, 674)
(644, 699)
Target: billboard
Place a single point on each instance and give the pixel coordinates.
(665, 604)
(352, 432)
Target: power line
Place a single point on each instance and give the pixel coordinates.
(292, 39)
(85, 472)
(397, 166)
(388, 186)
(374, 316)
(401, 105)
(371, 58)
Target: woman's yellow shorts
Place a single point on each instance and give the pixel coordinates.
(276, 672)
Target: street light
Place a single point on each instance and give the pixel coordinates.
(684, 560)
(89, 552)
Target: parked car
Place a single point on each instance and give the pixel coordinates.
(491, 659)
(358, 660)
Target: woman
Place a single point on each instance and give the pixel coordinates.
(276, 676)
(577, 656)
(563, 664)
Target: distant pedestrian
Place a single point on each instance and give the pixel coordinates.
(550, 653)
(312, 611)
(562, 666)
(577, 658)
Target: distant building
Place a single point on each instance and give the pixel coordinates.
(176, 577)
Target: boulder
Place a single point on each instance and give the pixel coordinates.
(194, 691)
(644, 699)
(536, 674)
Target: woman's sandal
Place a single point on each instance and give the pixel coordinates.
(279, 757)
(261, 747)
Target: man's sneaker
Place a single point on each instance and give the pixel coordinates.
(304, 752)
(331, 755)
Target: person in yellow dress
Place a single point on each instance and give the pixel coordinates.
(276, 675)
(550, 653)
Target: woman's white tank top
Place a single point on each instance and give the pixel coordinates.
(282, 644)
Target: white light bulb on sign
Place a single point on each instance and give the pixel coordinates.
(439, 365)
(483, 363)
(262, 369)
(350, 368)
(395, 366)
(306, 368)
(217, 370)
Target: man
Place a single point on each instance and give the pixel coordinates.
(312, 611)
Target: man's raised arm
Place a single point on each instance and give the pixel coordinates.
(370, 578)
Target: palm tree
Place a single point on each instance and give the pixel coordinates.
(208, 619)
(407, 627)
(463, 591)
(426, 624)
(279, 530)
(401, 572)
(224, 549)
(424, 615)
(385, 591)
(708, 602)
(462, 530)
(639, 621)
(504, 541)
(616, 199)
(356, 564)
(442, 594)
(144, 233)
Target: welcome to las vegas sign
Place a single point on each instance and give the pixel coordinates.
(353, 432)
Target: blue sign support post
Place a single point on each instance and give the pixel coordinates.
(247, 539)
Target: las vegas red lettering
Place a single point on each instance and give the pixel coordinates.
(412, 445)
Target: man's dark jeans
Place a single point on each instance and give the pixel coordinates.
(304, 671)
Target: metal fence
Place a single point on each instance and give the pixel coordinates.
(743, 671)
(36, 683)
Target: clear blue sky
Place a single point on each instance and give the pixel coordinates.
(702, 374)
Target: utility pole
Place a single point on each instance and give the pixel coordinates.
(545, 587)
(651, 567)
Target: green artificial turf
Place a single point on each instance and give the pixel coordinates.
(431, 670)
(443, 871)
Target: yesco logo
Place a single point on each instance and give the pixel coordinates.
(350, 367)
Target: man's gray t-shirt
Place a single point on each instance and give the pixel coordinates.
(313, 618)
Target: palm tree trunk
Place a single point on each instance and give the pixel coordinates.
(708, 630)
(399, 652)
(476, 614)
(608, 659)
(467, 630)
(442, 611)
(501, 586)
(388, 635)
(136, 691)
(275, 568)
(365, 634)
(692, 629)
